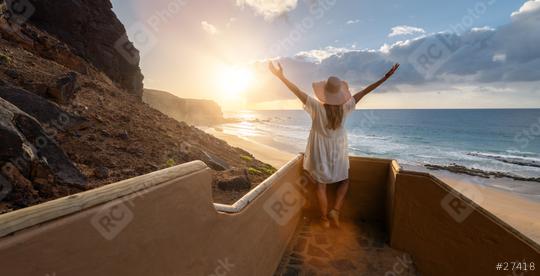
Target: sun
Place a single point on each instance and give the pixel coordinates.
(233, 80)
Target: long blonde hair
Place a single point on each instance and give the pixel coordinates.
(334, 115)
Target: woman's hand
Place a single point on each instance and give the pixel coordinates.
(277, 71)
(358, 96)
(391, 71)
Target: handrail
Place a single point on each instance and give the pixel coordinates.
(239, 205)
(34, 215)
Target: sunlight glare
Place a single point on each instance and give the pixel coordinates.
(233, 80)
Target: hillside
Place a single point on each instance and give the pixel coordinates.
(69, 122)
(191, 111)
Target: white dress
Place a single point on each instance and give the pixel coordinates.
(327, 155)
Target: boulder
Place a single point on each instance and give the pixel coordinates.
(38, 107)
(234, 183)
(101, 172)
(214, 162)
(64, 89)
(26, 145)
(59, 163)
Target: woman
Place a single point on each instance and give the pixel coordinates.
(326, 159)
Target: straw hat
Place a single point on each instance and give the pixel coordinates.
(332, 91)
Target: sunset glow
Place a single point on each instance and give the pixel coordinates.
(233, 80)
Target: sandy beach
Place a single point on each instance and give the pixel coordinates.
(519, 211)
(275, 157)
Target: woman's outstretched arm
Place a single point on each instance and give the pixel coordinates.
(358, 96)
(278, 72)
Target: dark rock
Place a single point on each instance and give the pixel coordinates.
(123, 135)
(43, 110)
(459, 169)
(215, 162)
(11, 143)
(63, 169)
(94, 32)
(19, 190)
(234, 183)
(105, 133)
(101, 172)
(65, 88)
(12, 73)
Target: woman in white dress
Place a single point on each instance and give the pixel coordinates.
(326, 159)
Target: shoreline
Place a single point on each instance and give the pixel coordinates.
(273, 156)
(516, 209)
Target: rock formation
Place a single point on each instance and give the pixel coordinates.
(71, 115)
(192, 111)
(92, 29)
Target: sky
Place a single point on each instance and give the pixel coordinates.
(453, 54)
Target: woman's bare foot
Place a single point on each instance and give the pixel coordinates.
(325, 223)
(334, 217)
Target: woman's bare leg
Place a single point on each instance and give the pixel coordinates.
(341, 193)
(323, 201)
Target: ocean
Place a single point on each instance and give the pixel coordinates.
(498, 140)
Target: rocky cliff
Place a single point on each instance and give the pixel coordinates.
(94, 33)
(71, 115)
(191, 111)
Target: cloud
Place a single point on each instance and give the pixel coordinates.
(209, 28)
(317, 56)
(479, 59)
(405, 30)
(270, 9)
(353, 21)
(482, 29)
(528, 8)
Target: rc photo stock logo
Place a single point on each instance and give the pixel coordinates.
(111, 219)
(432, 54)
(17, 12)
(284, 203)
(457, 207)
(144, 39)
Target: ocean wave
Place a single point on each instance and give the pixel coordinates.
(368, 136)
